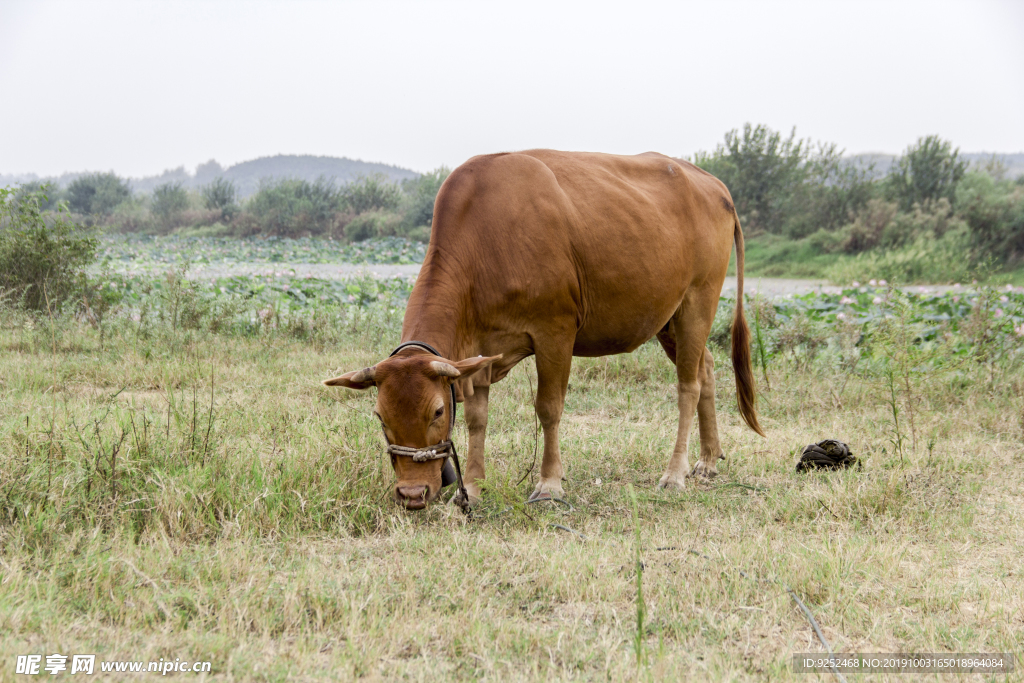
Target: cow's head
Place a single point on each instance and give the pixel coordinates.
(414, 407)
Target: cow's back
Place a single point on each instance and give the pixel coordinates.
(609, 243)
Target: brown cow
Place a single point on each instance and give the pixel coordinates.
(561, 254)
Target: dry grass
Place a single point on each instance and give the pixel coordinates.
(266, 542)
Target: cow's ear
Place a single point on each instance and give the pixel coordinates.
(471, 366)
(357, 379)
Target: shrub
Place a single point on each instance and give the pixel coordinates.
(132, 215)
(47, 193)
(833, 191)
(927, 259)
(97, 194)
(42, 256)
(994, 211)
(420, 194)
(371, 192)
(292, 208)
(867, 228)
(928, 170)
(372, 224)
(221, 195)
(170, 200)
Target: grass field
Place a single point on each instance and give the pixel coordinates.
(175, 483)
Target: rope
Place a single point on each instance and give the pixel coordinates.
(565, 528)
(438, 451)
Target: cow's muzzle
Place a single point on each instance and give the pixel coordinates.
(412, 497)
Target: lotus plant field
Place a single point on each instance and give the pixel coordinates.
(243, 283)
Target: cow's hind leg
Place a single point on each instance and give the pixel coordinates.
(689, 329)
(707, 421)
(553, 364)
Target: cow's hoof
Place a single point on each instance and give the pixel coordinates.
(458, 501)
(545, 491)
(671, 481)
(704, 470)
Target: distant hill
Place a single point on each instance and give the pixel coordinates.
(247, 175)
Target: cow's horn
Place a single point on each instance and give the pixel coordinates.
(360, 379)
(366, 374)
(444, 369)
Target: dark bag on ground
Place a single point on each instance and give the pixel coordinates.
(828, 454)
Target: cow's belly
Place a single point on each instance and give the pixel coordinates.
(622, 324)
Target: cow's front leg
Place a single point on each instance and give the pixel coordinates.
(707, 421)
(476, 422)
(552, 382)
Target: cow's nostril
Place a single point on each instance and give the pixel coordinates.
(413, 497)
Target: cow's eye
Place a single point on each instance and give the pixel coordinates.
(439, 412)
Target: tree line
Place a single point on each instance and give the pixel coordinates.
(930, 203)
(371, 206)
(929, 198)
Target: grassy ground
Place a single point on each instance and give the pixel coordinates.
(176, 493)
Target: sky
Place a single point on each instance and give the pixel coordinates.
(139, 87)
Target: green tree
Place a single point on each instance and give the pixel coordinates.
(994, 211)
(928, 170)
(420, 194)
(97, 194)
(42, 255)
(290, 208)
(46, 192)
(219, 194)
(371, 192)
(764, 172)
(170, 200)
(833, 193)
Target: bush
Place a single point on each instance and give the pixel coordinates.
(221, 195)
(420, 194)
(368, 193)
(994, 211)
(42, 256)
(927, 259)
(170, 200)
(97, 194)
(132, 215)
(371, 224)
(833, 191)
(928, 170)
(867, 228)
(293, 208)
(47, 193)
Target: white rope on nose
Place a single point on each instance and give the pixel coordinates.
(438, 451)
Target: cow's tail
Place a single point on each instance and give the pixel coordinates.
(741, 365)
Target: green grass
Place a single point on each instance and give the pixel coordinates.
(775, 256)
(171, 491)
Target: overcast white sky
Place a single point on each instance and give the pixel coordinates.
(139, 87)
